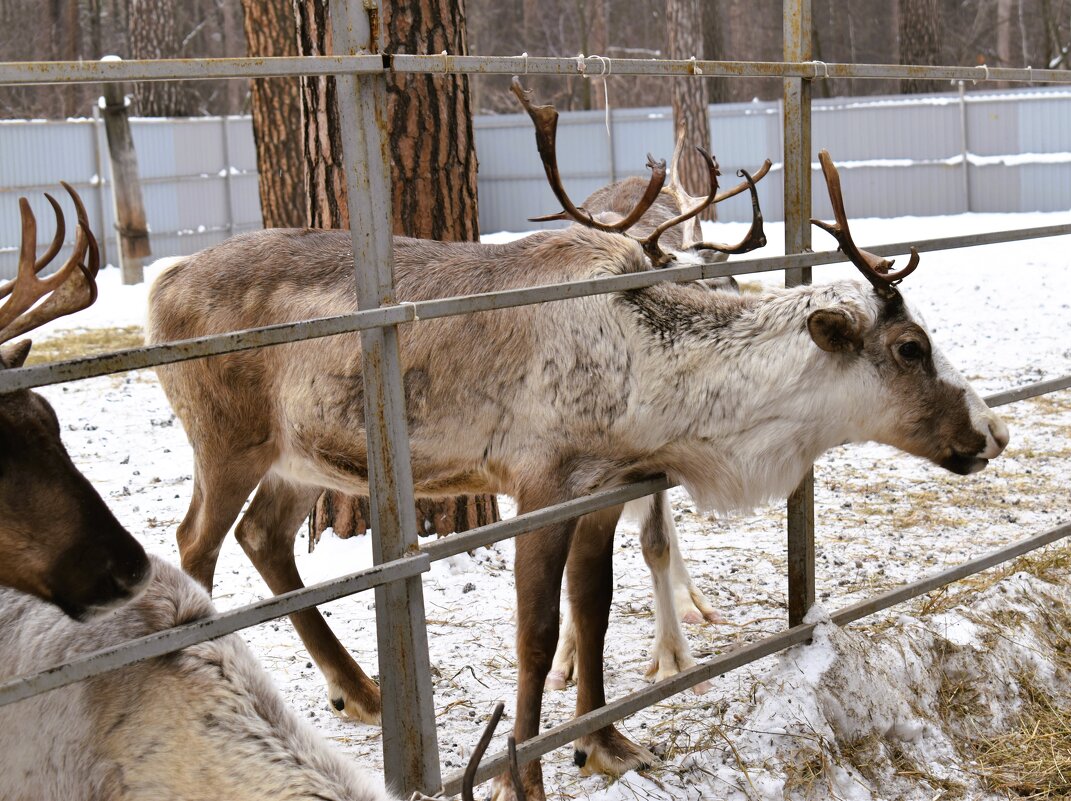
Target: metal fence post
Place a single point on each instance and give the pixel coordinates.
(410, 749)
(964, 145)
(797, 161)
(228, 184)
(100, 146)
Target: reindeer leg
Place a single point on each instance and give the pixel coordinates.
(590, 583)
(691, 605)
(564, 664)
(658, 541)
(218, 495)
(657, 530)
(539, 587)
(267, 533)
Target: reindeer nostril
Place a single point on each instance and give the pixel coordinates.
(999, 431)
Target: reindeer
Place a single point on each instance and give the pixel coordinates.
(733, 396)
(234, 410)
(202, 724)
(674, 588)
(60, 541)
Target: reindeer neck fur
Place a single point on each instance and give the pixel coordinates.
(742, 404)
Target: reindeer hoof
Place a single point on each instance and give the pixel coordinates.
(360, 702)
(609, 752)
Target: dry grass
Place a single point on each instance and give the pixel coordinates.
(75, 343)
(1051, 564)
(1033, 759)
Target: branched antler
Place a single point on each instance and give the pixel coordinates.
(545, 119)
(875, 269)
(71, 288)
(755, 237)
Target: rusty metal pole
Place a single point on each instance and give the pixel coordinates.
(410, 749)
(797, 161)
(126, 188)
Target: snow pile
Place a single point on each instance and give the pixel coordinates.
(897, 712)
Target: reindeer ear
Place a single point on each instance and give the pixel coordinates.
(835, 330)
(15, 355)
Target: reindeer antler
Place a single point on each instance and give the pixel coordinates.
(875, 269)
(71, 288)
(477, 755)
(545, 119)
(755, 237)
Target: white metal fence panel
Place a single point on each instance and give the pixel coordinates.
(897, 156)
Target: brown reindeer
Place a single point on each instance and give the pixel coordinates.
(734, 396)
(230, 405)
(59, 540)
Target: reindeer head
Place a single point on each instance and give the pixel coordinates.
(58, 540)
(930, 409)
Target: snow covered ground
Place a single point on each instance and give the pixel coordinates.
(861, 713)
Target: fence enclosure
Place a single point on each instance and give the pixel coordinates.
(1002, 151)
(410, 754)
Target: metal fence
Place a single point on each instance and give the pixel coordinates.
(410, 749)
(198, 179)
(1001, 151)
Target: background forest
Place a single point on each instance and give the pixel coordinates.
(1013, 33)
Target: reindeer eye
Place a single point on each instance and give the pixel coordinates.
(910, 350)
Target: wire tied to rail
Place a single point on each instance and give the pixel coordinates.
(446, 61)
(605, 68)
(825, 69)
(985, 73)
(524, 56)
(695, 68)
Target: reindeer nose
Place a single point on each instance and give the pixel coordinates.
(999, 432)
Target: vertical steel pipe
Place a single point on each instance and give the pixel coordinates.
(797, 161)
(964, 146)
(410, 749)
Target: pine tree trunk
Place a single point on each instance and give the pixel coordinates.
(433, 182)
(684, 26)
(270, 30)
(920, 29)
(153, 35)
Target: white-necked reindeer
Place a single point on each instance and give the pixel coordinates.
(59, 540)
(676, 596)
(732, 396)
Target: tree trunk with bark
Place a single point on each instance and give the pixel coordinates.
(433, 174)
(270, 30)
(920, 42)
(684, 27)
(153, 35)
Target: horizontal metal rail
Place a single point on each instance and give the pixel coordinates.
(39, 375)
(742, 655)
(174, 639)
(522, 524)
(179, 637)
(1029, 391)
(65, 72)
(209, 628)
